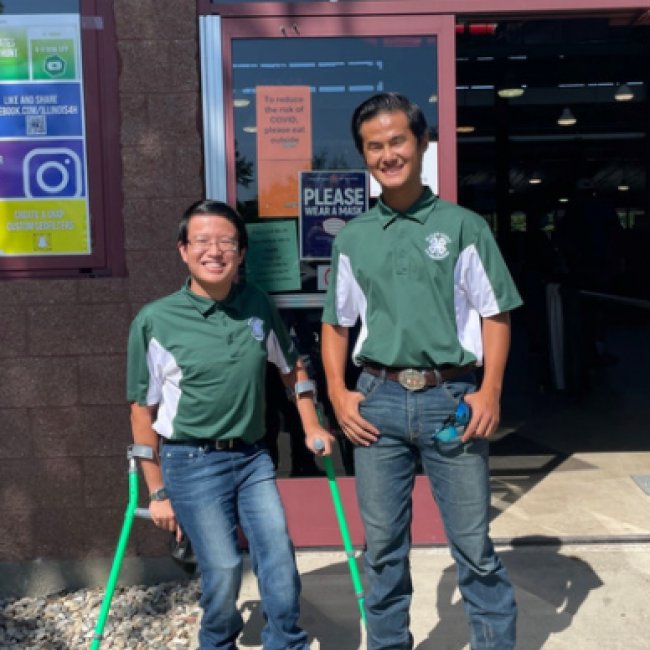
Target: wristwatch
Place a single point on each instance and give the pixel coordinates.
(159, 495)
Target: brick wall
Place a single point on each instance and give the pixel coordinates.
(64, 421)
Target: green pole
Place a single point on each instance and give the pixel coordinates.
(340, 515)
(119, 554)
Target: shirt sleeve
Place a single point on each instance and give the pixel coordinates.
(344, 300)
(280, 348)
(141, 386)
(484, 277)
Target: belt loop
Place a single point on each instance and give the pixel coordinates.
(436, 372)
(382, 374)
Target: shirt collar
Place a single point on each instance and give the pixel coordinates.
(207, 305)
(419, 211)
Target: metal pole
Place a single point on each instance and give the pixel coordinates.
(119, 554)
(340, 514)
(132, 510)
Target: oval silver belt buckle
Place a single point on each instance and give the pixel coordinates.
(412, 379)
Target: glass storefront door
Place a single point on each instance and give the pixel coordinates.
(291, 85)
(277, 128)
(293, 99)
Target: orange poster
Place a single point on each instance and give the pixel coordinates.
(283, 147)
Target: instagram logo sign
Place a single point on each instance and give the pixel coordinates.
(52, 172)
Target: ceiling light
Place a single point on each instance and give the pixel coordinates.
(433, 99)
(509, 93)
(623, 186)
(563, 200)
(623, 93)
(535, 178)
(567, 118)
(241, 103)
(465, 129)
(250, 129)
(509, 87)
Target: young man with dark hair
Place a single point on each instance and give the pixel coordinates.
(196, 372)
(428, 283)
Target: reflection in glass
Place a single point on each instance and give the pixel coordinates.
(339, 73)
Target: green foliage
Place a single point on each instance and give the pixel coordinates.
(243, 168)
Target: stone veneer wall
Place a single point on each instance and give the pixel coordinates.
(64, 421)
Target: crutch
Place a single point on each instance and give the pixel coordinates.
(319, 445)
(133, 452)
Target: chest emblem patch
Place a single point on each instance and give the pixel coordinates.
(257, 327)
(438, 243)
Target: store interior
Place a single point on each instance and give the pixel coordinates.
(552, 114)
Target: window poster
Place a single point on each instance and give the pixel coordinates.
(284, 146)
(328, 200)
(43, 180)
(272, 256)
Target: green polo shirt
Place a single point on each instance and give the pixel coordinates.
(420, 281)
(203, 362)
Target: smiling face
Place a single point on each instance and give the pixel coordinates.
(213, 271)
(394, 156)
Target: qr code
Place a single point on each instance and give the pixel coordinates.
(36, 125)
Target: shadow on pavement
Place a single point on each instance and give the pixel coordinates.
(550, 587)
(329, 610)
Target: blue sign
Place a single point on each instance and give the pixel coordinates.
(328, 200)
(41, 110)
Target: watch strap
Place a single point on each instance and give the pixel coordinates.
(159, 495)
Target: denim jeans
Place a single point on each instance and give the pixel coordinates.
(211, 492)
(459, 477)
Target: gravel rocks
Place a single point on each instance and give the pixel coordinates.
(160, 617)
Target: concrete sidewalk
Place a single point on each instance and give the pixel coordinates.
(578, 553)
(579, 597)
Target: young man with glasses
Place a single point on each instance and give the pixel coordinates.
(196, 374)
(430, 287)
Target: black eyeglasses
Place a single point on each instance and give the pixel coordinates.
(202, 244)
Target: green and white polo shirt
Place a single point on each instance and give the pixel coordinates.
(420, 281)
(204, 362)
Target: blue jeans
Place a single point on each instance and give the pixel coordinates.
(459, 477)
(211, 493)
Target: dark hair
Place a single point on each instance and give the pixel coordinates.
(216, 208)
(388, 103)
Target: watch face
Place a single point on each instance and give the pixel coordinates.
(159, 495)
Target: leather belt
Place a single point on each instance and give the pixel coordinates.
(219, 445)
(417, 379)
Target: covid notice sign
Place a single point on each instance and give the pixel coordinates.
(43, 185)
(328, 200)
(284, 146)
